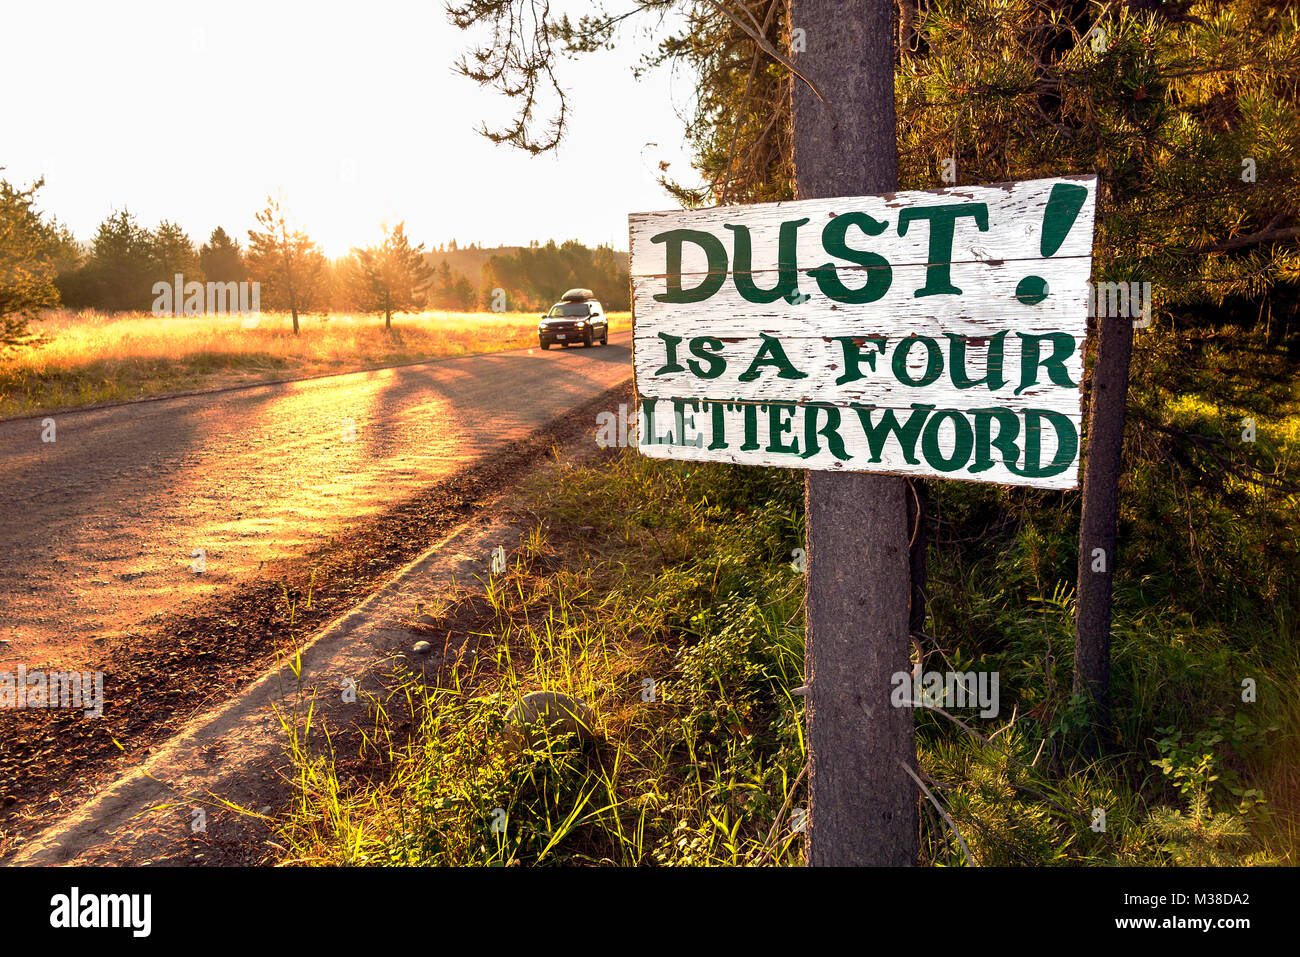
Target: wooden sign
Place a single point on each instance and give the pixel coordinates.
(936, 333)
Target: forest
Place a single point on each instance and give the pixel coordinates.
(118, 268)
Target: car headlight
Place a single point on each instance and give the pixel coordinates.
(581, 323)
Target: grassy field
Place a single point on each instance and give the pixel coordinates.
(641, 570)
(88, 358)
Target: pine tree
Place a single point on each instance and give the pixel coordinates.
(28, 250)
(443, 285)
(172, 254)
(391, 277)
(462, 294)
(221, 259)
(287, 263)
(121, 264)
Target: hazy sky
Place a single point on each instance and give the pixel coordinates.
(195, 112)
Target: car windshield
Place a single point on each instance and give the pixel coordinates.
(569, 309)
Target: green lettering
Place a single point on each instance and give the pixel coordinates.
(775, 427)
(963, 441)
(993, 377)
(1062, 349)
(878, 432)
(1067, 443)
(717, 364)
(787, 286)
(719, 412)
(770, 353)
(853, 355)
(1005, 442)
(751, 427)
(879, 274)
(829, 431)
(670, 344)
(942, 220)
(933, 361)
(679, 415)
(712, 281)
(647, 434)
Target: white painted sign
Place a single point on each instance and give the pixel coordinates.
(934, 333)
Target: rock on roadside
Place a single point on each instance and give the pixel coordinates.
(528, 720)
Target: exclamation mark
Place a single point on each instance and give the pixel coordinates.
(1062, 210)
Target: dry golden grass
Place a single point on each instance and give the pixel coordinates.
(90, 357)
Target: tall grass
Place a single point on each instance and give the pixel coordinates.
(700, 740)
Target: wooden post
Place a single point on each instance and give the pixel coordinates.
(862, 805)
(1097, 527)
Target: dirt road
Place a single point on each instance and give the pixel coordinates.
(137, 509)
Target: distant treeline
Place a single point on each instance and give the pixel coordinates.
(127, 267)
(535, 276)
(117, 270)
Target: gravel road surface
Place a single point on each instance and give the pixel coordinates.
(137, 509)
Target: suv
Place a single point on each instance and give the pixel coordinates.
(577, 317)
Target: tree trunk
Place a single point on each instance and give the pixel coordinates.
(1097, 528)
(294, 310)
(862, 805)
(388, 320)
